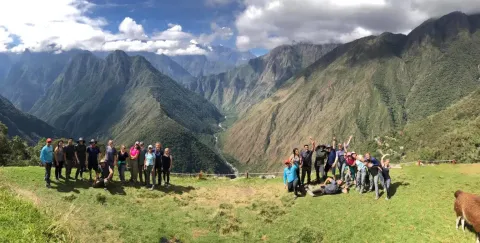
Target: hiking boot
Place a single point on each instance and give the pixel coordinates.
(105, 189)
(387, 198)
(152, 188)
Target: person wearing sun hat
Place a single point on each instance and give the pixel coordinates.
(81, 156)
(46, 158)
(93, 154)
(104, 175)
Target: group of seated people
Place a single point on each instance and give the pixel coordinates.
(355, 169)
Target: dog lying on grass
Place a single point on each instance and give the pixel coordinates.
(467, 208)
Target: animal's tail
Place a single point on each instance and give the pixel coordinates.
(457, 193)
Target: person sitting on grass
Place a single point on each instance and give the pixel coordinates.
(290, 177)
(104, 175)
(328, 188)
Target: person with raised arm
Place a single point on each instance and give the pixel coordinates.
(386, 175)
(307, 162)
(290, 177)
(341, 149)
(331, 159)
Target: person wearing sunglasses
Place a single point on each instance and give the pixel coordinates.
(46, 158)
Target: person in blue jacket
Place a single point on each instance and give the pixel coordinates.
(46, 158)
(290, 177)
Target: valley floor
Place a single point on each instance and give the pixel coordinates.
(240, 210)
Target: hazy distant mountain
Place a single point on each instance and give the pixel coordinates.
(368, 87)
(125, 98)
(29, 75)
(24, 125)
(217, 60)
(238, 89)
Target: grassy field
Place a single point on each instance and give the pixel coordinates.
(240, 210)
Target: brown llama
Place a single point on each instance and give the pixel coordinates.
(467, 208)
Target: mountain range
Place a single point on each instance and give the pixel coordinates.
(413, 95)
(371, 86)
(126, 99)
(238, 89)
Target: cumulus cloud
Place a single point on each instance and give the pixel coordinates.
(60, 25)
(223, 33)
(269, 23)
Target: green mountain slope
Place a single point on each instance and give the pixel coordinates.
(238, 89)
(24, 125)
(30, 75)
(366, 88)
(127, 99)
(453, 133)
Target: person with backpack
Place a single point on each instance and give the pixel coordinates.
(320, 156)
(140, 162)
(46, 158)
(81, 158)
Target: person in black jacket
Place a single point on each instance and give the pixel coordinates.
(306, 155)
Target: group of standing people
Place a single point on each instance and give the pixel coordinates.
(354, 169)
(142, 162)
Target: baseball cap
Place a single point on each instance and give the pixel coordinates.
(49, 140)
(287, 161)
(150, 146)
(141, 143)
(137, 143)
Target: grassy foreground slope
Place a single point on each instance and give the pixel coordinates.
(254, 210)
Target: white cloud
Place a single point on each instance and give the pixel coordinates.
(131, 29)
(268, 23)
(59, 25)
(223, 33)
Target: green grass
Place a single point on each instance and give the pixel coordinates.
(241, 210)
(19, 219)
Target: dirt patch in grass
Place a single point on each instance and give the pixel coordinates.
(236, 195)
(28, 195)
(199, 233)
(469, 169)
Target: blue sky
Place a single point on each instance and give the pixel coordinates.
(195, 16)
(175, 27)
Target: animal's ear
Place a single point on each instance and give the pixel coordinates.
(457, 193)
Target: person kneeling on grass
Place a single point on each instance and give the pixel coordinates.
(104, 175)
(290, 177)
(328, 188)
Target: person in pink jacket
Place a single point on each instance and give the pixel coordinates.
(133, 163)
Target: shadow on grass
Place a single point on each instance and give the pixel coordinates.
(395, 186)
